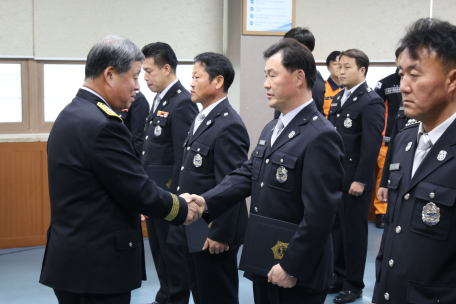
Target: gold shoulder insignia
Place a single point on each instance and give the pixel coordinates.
(174, 210)
(210, 225)
(108, 110)
(279, 250)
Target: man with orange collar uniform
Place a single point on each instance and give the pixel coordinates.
(388, 90)
(332, 84)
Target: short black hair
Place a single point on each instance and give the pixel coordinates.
(433, 35)
(332, 57)
(162, 54)
(295, 56)
(362, 61)
(217, 65)
(303, 35)
(399, 51)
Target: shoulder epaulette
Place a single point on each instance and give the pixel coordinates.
(107, 110)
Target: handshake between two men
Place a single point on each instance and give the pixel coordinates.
(196, 207)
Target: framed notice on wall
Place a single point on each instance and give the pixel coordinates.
(268, 17)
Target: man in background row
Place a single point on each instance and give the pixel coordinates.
(304, 35)
(170, 117)
(97, 187)
(388, 89)
(357, 113)
(332, 84)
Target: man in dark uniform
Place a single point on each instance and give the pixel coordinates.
(304, 145)
(94, 252)
(134, 120)
(170, 117)
(305, 36)
(388, 89)
(358, 114)
(217, 144)
(416, 262)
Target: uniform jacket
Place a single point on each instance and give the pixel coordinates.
(165, 147)
(360, 122)
(312, 153)
(134, 120)
(388, 89)
(400, 122)
(97, 190)
(416, 262)
(223, 143)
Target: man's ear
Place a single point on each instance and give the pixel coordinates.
(300, 77)
(363, 70)
(451, 79)
(220, 81)
(108, 75)
(167, 69)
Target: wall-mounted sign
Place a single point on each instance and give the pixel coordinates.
(268, 17)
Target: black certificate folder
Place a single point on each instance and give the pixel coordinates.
(161, 175)
(266, 241)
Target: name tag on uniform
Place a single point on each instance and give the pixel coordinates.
(401, 108)
(262, 142)
(334, 104)
(394, 167)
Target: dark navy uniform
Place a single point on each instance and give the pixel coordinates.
(416, 262)
(134, 120)
(318, 95)
(97, 190)
(166, 130)
(221, 142)
(312, 153)
(400, 122)
(360, 122)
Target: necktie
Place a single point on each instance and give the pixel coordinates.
(198, 121)
(156, 102)
(347, 94)
(278, 128)
(424, 145)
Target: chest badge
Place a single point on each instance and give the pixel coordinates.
(442, 155)
(348, 123)
(282, 174)
(409, 145)
(197, 161)
(158, 131)
(431, 214)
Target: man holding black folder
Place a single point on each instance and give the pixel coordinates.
(166, 127)
(294, 175)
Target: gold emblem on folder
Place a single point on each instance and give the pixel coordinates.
(168, 184)
(279, 250)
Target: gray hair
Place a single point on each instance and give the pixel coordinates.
(112, 50)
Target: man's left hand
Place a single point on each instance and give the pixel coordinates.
(279, 277)
(215, 247)
(356, 189)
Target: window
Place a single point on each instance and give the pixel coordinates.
(10, 92)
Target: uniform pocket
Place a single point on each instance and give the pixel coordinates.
(257, 156)
(198, 158)
(349, 122)
(430, 294)
(127, 239)
(283, 171)
(393, 186)
(433, 204)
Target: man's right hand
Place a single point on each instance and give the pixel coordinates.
(196, 207)
(199, 200)
(383, 194)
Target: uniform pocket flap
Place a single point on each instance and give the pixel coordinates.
(349, 114)
(436, 193)
(127, 239)
(259, 152)
(426, 294)
(394, 180)
(200, 148)
(284, 159)
(161, 121)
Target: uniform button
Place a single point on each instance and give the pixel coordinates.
(431, 195)
(182, 168)
(398, 229)
(338, 115)
(389, 182)
(281, 161)
(198, 149)
(256, 152)
(350, 159)
(147, 136)
(130, 244)
(256, 209)
(158, 121)
(144, 152)
(387, 296)
(335, 128)
(178, 188)
(267, 161)
(150, 122)
(391, 263)
(262, 185)
(407, 196)
(188, 148)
